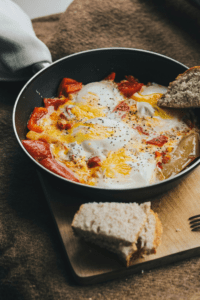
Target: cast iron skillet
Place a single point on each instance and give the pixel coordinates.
(89, 66)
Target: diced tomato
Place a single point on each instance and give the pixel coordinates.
(54, 102)
(140, 129)
(158, 141)
(68, 109)
(67, 86)
(111, 76)
(36, 115)
(62, 116)
(130, 78)
(159, 164)
(68, 81)
(124, 116)
(37, 149)
(128, 88)
(165, 159)
(94, 162)
(122, 106)
(64, 126)
(73, 87)
(158, 154)
(52, 165)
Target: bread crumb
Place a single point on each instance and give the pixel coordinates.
(142, 271)
(178, 230)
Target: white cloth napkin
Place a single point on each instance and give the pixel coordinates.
(19, 46)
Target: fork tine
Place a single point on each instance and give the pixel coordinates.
(194, 217)
(195, 225)
(196, 228)
(195, 221)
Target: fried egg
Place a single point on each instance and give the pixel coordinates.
(125, 134)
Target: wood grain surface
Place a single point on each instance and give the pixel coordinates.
(91, 264)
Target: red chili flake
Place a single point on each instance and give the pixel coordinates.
(122, 106)
(158, 141)
(94, 162)
(140, 130)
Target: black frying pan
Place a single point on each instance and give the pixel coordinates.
(89, 66)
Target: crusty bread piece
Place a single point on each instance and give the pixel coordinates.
(149, 239)
(184, 91)
(127, 229)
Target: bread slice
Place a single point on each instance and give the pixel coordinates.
(184, 91)
(127, 229)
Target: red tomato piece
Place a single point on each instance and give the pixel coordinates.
(130, 78)
(140, 129)
(37, 149)
(68, 85)
(111, 76)
(158, 141)
(159, 164)
(124, 116)
(128, 88)
(73, 87)
(62, 116)
(36, 115)
(54, 102)
(122, 106)
(165, 159)
(52, 165)
(94, 162)
(68, 109)
(64, 126)
(158, 154)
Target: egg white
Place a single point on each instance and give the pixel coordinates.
(121, 135)
(140, 161)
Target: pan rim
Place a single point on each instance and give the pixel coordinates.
(179, 175)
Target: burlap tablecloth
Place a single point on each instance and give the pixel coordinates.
(32, 261)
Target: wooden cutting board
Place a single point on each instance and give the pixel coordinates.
(91, 264)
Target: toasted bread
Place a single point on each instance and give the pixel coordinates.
(184, 91)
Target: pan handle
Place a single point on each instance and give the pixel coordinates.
(39, 66)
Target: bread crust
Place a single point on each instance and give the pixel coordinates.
(141, 252)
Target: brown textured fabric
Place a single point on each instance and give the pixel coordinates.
(32, 261)
(168, 27)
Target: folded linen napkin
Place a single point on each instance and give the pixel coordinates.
(19, 46)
